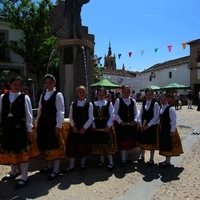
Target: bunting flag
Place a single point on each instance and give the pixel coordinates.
(156, 49)
(99, 58)
(129, 54)
(119, 55)
(142, 52)
(169, 48)
(184, 45)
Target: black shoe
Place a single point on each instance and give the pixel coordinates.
(100, 165)
(150, 163)
(110, 167)
(83, 167)
(10, 177)
(164, 164)
(46, 170)
(53, 176)
(128, 160)
(123, 162)
(68, 169)
(24, 183)
(141, 159)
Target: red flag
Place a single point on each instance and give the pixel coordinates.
(169, 48)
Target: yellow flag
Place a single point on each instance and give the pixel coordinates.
(184, 45)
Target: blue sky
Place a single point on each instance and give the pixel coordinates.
(136, 25)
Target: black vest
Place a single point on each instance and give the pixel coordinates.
(126, 111)
(49, 106)
(17, 109)
(80, 114)
(101, 115)
(148, 114)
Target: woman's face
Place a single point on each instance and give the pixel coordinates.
(16, 86)
(49, 84)
(126, 93)
(163, 100)
(81, 93)
(149, 96)
(101, 95)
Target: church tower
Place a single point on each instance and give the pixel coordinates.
(110, 60)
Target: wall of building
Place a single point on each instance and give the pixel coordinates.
(14, 35)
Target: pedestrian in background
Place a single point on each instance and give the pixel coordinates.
(190, 98)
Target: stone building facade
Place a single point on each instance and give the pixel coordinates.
(194, 65)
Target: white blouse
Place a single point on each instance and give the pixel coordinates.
(27, 106)
(90, 114)
(111, 111)
(172, 116)
(127, 102)
(60, 106)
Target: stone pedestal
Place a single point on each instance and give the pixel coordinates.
(75, 67)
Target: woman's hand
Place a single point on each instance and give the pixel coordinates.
(107, 129)
(94, 129)
(75, 130)
(30, 135)
(172, 133)
(82, 131)
(57, 131)
(133, 123)
(145, 128)
(122, 123)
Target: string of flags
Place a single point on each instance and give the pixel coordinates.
(169, 48)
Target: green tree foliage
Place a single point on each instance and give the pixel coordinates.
(36, 45)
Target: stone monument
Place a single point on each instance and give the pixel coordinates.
(75, 53)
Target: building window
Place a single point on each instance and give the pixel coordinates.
(2, 49)
(150, 78)
(170, 74)
(111, 62)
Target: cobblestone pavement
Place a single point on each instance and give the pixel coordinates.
(180, 182)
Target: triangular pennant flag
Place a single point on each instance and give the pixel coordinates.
(169, 48)
(184, 45)
(119, 55)
(129, 54)
(142, 52)
(156, 49)
(99, 58)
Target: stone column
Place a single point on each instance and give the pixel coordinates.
(75, 67)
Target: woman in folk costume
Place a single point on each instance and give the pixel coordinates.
(103, 137)
(126, 126)
(169, 140)
(148, 119)
(79, 135)
(50, 129)
(17, 143)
